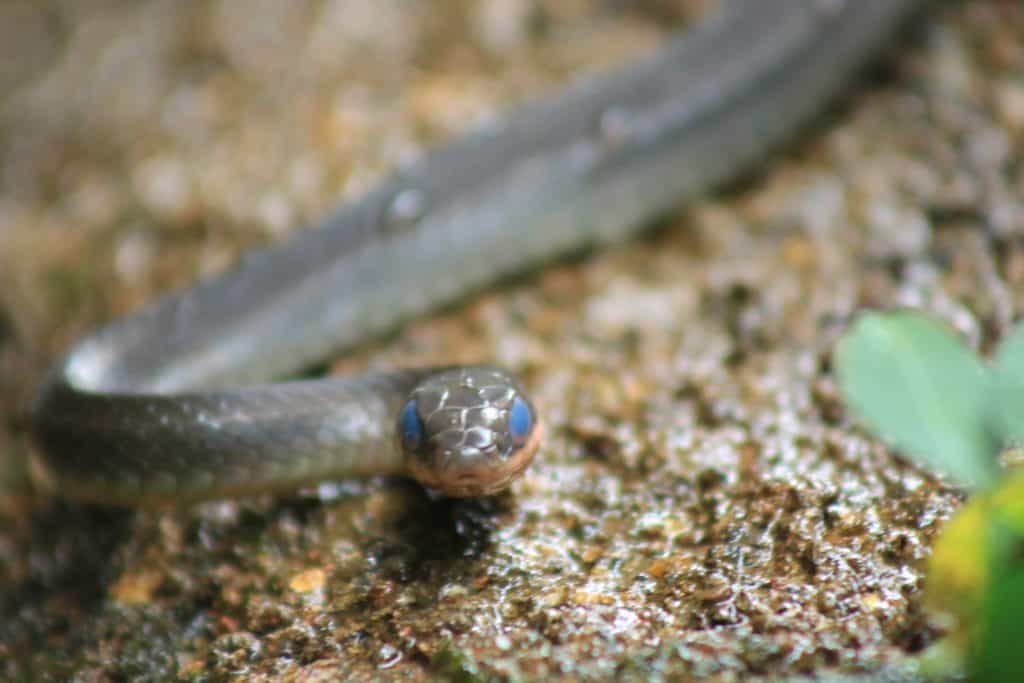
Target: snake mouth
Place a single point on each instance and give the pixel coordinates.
(481, 478)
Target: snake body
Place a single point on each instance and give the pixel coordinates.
(178, 401)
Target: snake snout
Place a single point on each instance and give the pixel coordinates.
(487, 473)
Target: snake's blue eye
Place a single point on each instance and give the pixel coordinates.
(520, 421)
(410, 426)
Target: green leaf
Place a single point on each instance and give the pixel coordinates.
(995, 653)
(1007, 402)
(915, 384)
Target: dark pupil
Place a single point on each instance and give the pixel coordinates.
(410, 426)
(519, 420)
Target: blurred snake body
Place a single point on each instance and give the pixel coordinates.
(179, 401)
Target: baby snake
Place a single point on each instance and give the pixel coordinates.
(175, 402)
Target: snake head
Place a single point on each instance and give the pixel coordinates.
(468, 431)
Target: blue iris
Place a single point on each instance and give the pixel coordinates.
(520, 421)
(410, 425)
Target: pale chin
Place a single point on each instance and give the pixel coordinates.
(482, 480)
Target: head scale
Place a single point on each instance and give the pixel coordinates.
(468, 431)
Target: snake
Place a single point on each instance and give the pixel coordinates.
(195, 396)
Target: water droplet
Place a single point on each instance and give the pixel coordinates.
(387, 656)
(406, 208)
